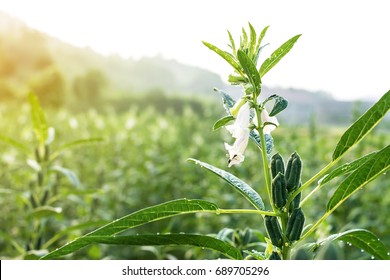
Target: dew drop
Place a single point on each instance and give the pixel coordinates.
(372, 257)
(158, 233)
(349, 244)
(388, 253)
(217, 211)
(362, 250)
(203, 248)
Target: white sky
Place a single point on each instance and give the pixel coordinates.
(344, 49)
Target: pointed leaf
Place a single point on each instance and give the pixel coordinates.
(72, 177)
(38, 118)
(252, 42)
(261, 37)
(201, 241)
(250, 70)
(269, 142)
(225, 55)
(250, 194)
(232, 43)
(371, 169)
(141, 217)
(45, 211)
(222, 122)
(364, 240)
(362, 126)
(345, 169)
(15, 144)
(277, 55)
(228, 101)
(258, 46)
(279, 106)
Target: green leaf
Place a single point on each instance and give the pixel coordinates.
(269, 142)
(252, 42)
(362, 126)
(80, 142)
(261, 37)
(363, 239)
(225, 55)
(277, 55)
(15, 144)
(72, 177)
(233, 45)
(38, 118)
(371, 169)
(250, 70)
(46, 211)
(228, 101)
(70, 229)
(222, 122)
(75, 144)
(258, 46)
(345, 169)
(250, 194)
(244, 39)
(141, 217)
(279, 106)
(201, 241)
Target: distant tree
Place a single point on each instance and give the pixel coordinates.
(49, 86)
(88, 88)
(6, 91)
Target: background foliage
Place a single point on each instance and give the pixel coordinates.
(142, 162)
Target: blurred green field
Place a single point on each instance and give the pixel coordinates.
(142, 162)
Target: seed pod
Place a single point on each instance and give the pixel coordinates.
(37, 155)
(47, 152)
(246, 236)
(295, 202)
(45, 197)
(279, 191)
(275, 256)
(289, 165)
(295, 225)
(274, 231)
(293, 172)
(33, 201)
(277, 165)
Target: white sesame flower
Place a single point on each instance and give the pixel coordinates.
(272, 122)
(236, 152)
(240, 131)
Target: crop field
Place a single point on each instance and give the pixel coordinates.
(137, 158)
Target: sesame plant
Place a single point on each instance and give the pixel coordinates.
(252, 118)
(40, 200)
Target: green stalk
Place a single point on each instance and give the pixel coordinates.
(267, 171)
(243, 211)
(317, 176)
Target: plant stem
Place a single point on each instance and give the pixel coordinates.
(321, 173)
(243, 211)
(267, 172)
